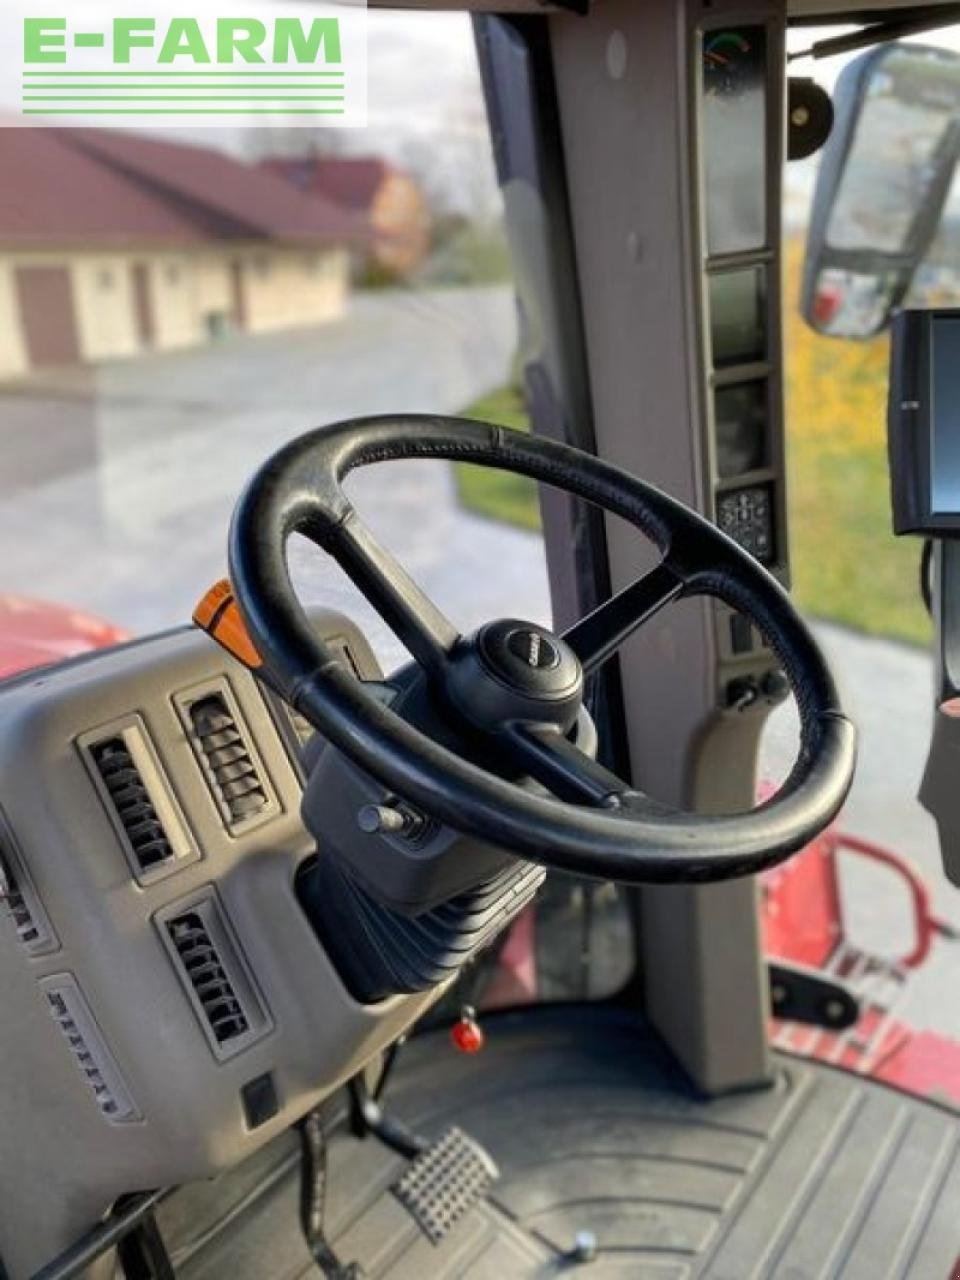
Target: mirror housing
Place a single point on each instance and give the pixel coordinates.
(883, 180)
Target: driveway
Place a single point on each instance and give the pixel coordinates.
(117, 483)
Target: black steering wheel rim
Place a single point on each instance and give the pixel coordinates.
(300, 490)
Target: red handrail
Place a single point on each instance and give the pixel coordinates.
(928, 925)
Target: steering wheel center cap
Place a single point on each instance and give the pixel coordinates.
(529, 659)
(513, 671)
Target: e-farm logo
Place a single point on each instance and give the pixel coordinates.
(295, 63)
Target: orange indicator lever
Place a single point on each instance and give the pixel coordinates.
(218, 614)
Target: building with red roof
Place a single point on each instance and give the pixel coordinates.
(113, 244)
(391, 201)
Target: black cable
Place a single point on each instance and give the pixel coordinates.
(313, 1199)
(387, 1065)
(926, 568)
(881, 33)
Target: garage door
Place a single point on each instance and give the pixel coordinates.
(47, 316)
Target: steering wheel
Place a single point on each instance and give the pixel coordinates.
(513, 690)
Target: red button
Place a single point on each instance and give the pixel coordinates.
(467, 1036)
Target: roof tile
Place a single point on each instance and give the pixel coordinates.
(99, 186)
(348, 181)
(54, 194)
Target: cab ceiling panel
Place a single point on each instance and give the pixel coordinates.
(871, 11)
(485, 6)
(828, 10)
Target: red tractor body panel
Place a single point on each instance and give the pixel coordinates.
(35, 634)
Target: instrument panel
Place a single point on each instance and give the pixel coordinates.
(173, 1007)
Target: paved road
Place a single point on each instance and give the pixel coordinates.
(116, 484)
(116, 488)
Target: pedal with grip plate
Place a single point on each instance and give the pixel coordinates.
(444, 1182)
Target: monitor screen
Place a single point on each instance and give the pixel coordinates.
(735, 138)
(737, 320)
(945, 416)
(740, 414)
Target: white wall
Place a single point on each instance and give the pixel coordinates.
(13, 354)
(283, 288)
(105, 306)
(287, 287)
(177, 319)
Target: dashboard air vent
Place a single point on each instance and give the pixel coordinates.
(134, 787)
(236, 777)
(206, 974)
(18, 899)
(131, 800)
(214, 973)
(72, 1015)
(19, 911)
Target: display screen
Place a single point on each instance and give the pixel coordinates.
(740, 426)
(746, 515)
(945, 417)
(735, 138)
(737, 329)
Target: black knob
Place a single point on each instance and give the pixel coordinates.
(775, 686)
(742, 693)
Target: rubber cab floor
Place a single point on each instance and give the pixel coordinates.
(595, 1130)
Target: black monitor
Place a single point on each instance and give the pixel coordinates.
(923, 422)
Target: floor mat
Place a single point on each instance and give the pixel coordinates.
(595, 1130)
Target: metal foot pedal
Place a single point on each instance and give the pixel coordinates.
(444, 1182)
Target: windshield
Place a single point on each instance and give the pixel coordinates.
(176, 304)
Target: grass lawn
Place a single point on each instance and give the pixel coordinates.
(499, 494)
(847, 565)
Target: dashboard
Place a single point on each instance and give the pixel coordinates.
(167, 1005)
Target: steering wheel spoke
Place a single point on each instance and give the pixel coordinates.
(400, 601)
(597, 637)
(559, 764)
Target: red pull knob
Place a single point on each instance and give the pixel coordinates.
(466, 1033)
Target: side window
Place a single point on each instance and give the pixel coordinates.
(203, 294)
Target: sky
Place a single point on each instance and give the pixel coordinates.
(424, 109)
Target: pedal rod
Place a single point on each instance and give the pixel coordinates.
(368, 1117)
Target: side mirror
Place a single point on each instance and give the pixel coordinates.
(883, 180)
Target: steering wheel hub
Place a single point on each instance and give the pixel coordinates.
(512, 671)
(529, 658)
